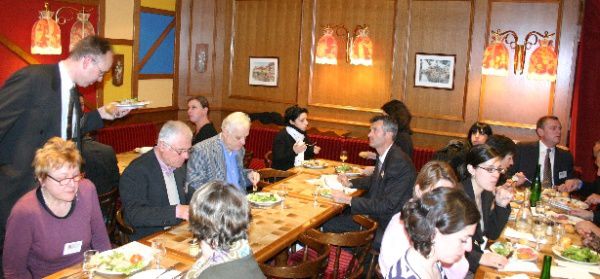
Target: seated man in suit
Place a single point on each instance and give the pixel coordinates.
(388, 188)
(152, 186)
(221, 157)
(556, 163)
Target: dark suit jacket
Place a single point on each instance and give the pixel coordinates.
(283, 151)
(387, 189)
(30, 114)
(527, 159)
(494, 220)
(144, 195)
(100, 165)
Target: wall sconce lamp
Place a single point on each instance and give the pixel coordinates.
(543, 61)
(359, 47)
(45, 34)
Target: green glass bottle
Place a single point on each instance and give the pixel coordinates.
(536, 188)
(546, 267)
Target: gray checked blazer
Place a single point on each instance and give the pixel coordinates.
(207, 163)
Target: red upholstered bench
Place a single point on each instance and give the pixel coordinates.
(127, 137)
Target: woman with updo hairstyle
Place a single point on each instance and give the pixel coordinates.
(219, 219)
(50, 227)
(478, 133)
(483, 168)
(198, 114)
(291, 145)
(440, 225)
(395, 242)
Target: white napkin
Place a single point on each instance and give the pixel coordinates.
(518, 276)
(519, 266)
(512, 233)
(137, 247)
(143, 149)
(330, 180)
(568, 272)
(589, 268)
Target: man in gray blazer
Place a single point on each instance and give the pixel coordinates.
(221, 157)
(152, 186)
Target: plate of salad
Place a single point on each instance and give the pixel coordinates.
(119, 262)
(577, 254)
(263, 198)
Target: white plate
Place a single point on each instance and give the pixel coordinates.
(130, 249)
(570, 219)
(516, 253)
(132, 105)
(314, 164)
(278, 199)
(558, 252)
(153, 273)
(571, 203)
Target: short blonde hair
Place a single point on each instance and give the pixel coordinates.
(235, 120)
(55, 154)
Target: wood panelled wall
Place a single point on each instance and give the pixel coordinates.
(344, 96)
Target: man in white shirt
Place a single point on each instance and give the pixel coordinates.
(387, 189)
(152, 186)
(556, 163)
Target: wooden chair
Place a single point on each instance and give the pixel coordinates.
(268, 159)
(268, 176)
(108, 205)
(349, 249)
(306, 265)
(123, 230)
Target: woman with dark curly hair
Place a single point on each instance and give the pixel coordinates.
(440, 225)
(219, 218)
(291, 145)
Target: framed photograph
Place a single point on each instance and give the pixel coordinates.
(434, 70)
(264, 71)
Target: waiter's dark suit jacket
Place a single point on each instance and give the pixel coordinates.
(100, 165)
(527, 159)
(387, 189)
(30, 114)
(144, 195)
(494, 220)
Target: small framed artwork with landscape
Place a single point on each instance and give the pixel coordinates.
(434, 70)
(264, 71)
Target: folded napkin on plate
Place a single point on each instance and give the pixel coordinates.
(589, 268)
(519, 266)
(330, 180)
(568, 272)
(512, 233)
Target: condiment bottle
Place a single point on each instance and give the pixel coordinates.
(194, 247)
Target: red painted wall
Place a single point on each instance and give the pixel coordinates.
(16, 20)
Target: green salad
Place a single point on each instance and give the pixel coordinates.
(581, 254)
(501, 248)
(119, 263)
(262, 197)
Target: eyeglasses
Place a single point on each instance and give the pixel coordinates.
(492, 169)
(65, 181)
(180, 150)
(101, 73)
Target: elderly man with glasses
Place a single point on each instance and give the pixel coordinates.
(152, 186)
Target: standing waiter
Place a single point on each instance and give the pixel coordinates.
(39, 102)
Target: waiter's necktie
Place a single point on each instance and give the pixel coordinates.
(72, 95)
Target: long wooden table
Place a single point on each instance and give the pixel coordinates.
(271, 231)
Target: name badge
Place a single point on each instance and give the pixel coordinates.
(72, 247)
(562, 174)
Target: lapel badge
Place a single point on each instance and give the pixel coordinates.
(382, 173)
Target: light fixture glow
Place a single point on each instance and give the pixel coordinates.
(327, 48)
(45, 34)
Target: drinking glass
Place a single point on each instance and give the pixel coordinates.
(540, 208)
(539, 233)
(282, 192)
(316, 195)
(159, 249)
(89, 263)
(344, 156)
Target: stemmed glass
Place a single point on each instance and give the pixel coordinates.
(343, 156)
(159, 250)
(316, 195)
(89, 263)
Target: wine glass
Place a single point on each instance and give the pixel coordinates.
(344, 156)
(159, 249)
(316, 195)
(89, 263)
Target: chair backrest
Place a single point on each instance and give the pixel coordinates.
(308, 267)
(268, 159)
(108, 205)
(268, 176)
(357, 243)
(123, 230)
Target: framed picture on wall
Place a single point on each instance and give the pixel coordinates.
(434, 70)
(264, 71)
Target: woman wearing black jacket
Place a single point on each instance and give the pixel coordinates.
(292, 145)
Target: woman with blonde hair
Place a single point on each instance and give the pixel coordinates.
(51, 226)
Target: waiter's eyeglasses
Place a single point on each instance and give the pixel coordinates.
(65, 181)
(101, 73)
